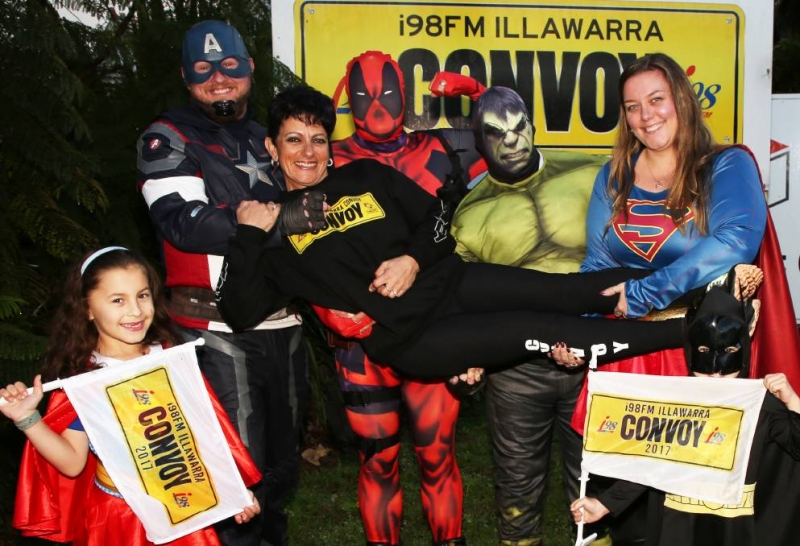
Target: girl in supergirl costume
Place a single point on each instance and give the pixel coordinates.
(112, 311)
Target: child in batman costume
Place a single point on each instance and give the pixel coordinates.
(719, 345)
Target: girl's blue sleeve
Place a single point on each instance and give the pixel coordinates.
(76, 425)
(737, 215)
(598, 255)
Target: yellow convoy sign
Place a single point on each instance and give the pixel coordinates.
(702, 435)
(346, 213)
(162, 444)
(564, 58)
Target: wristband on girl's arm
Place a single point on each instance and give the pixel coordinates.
(27, 422)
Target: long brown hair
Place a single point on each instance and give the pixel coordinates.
(693, 141)
(73, 336)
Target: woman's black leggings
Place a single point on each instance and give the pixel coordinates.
(507, 315)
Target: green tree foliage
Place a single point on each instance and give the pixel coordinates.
(48, 180)
(75, 99)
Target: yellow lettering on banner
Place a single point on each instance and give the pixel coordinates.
(687, 433)
(162, 444)
(563, 58)
(346, 213)
(746, 507)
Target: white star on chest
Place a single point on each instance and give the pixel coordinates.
(254, 170)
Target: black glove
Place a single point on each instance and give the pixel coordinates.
(301, 212)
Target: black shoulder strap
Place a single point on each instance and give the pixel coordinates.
(454, 187)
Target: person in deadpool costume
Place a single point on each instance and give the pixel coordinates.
(441, 161)
(434, 159)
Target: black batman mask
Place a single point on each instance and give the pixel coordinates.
(718, 340)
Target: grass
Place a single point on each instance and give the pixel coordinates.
(324, 510)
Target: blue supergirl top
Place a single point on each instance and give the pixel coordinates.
(647, 238)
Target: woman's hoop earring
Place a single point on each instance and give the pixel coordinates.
(275, 164)
(330, 162)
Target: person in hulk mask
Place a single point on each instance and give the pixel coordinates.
(528, 212)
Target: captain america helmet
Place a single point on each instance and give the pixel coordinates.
(213, 42)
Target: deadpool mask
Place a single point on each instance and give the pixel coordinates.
(376, 93)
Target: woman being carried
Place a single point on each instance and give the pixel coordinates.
(365, 238)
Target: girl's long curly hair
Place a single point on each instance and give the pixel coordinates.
(693, 141)
(73, 336)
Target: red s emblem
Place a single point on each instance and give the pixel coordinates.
(648, 226)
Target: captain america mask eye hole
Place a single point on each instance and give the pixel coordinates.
(202, 71)
(227, 66)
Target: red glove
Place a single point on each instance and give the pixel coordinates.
(344, 326)
(452, 84)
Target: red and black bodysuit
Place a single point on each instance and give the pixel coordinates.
(373, 393)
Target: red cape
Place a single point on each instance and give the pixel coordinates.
(776, 344)
(50, 505)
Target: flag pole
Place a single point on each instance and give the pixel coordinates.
(56, 384)
(580, 541)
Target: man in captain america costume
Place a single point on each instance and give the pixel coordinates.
(195, 165)
(439, 160)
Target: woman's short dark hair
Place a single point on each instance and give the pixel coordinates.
(304, 103)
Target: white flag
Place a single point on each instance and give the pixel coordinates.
(689, 436)
(152, 425)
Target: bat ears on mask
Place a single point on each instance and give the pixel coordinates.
(720, 323)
